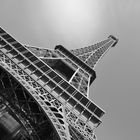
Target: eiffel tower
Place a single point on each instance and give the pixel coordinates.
(44, 94)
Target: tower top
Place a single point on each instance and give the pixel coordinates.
(115, 39)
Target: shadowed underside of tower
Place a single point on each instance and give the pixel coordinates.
(44, 93)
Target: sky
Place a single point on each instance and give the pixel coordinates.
(80, 23)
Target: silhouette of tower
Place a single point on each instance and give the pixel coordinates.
(44, 93)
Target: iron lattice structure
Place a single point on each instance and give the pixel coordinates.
(44, 93)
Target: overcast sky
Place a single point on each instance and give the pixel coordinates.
(80, 23)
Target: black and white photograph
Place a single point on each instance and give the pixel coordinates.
(69, 69)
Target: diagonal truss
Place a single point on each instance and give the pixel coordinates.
(65, 110)
(47, 102)
(90, 55)
(50, 105)
(88, 50)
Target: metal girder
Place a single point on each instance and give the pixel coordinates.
(49, 104)
(92, 54)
